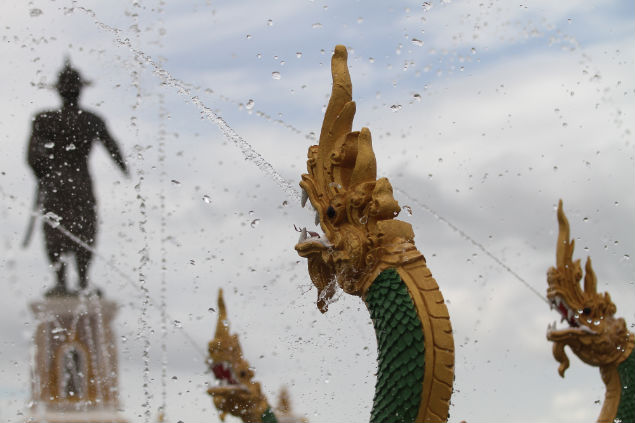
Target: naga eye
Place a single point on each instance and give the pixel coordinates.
(586, 310)
(330, 212)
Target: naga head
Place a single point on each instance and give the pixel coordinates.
(594, 334)
(353, 208)
(236, 392)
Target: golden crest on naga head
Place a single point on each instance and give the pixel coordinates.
(236, 392)
(594, 333)
(355, 210)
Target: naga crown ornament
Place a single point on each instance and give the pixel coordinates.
(355, 210)
(594, 333)
(236, 393)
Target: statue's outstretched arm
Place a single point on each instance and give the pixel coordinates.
(112, 147)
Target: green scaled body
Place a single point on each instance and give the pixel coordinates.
(268, 416)
(626, 409)
(401, 349)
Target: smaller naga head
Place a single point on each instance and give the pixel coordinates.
(353, 208)
(236, 393)
(594, 334)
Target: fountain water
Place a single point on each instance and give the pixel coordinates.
(466, 179)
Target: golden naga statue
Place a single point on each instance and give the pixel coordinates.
(368, 253)
(284, 411)
(237, 393)
(594, 334)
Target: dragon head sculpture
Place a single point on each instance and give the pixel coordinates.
(355, 210)
(594, 334)
(236, 394)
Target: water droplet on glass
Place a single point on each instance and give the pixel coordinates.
(298, 54)
(360, 20)
(53, 219)
(363, 220)
(626, 257)
(249, 36)
(269, 22)
(417, 97)
(586, 219)
(250, 104)
(275, 75)
(225, 323)
(35, 12)
(254, 223)
(70, 147)
(408, 210)
(417, 42)
(473, 50)
(396, 107)
(49, 145)
(124, 339)
(175, 182)
(316, 25)
(285, 203)
(207, 199)
(177, 324)
(211, 310)
(371, 59)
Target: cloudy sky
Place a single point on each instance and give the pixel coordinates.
(483, 114)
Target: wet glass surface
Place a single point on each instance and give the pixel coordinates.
(483, 115)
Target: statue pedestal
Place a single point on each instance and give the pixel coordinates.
(74, 375)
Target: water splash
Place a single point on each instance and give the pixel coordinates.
(474, 242)
(246, 149)
(124, 275)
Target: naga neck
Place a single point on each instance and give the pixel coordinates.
(399, 254)
(414, 333)
(619, 399)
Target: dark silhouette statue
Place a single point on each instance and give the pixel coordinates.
(61, 141)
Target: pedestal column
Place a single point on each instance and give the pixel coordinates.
(75, 375)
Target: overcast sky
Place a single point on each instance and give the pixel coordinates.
(483, 112)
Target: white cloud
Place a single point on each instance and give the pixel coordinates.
(499, 323)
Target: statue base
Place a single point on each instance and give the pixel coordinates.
(74, 374)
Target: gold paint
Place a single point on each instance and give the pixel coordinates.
(67, 327)
(284, 412)
(357, 214)
(595, 335)
(237, 394)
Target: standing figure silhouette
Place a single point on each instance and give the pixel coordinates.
(60, 143)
